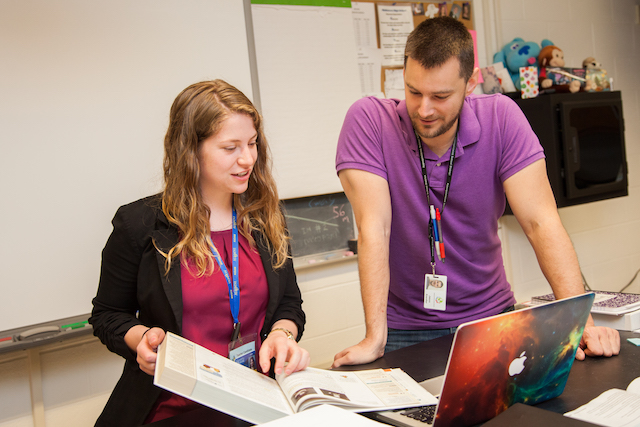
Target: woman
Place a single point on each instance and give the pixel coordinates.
(169, 263)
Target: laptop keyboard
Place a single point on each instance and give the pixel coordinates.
(423, 414)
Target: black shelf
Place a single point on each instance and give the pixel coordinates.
(583, 139)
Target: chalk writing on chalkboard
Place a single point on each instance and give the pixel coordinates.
(319, 224)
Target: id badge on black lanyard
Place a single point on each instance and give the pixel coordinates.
(435, 285)
(435, 292)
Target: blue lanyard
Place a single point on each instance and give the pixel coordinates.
(232, 283)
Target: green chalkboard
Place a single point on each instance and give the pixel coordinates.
(319, 224)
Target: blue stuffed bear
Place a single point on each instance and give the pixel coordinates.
(518, 53)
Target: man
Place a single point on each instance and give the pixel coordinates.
(395, 185)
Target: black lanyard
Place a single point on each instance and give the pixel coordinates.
(425, 179)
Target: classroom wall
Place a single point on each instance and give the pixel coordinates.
(605, 234)
(76, 378)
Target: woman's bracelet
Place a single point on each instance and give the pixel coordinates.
(145, 333)
(286, 331)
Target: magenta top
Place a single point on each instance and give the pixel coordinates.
(207, 315)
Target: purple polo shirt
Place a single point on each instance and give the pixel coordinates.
(495, 141)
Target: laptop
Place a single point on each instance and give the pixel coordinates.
(522, 356)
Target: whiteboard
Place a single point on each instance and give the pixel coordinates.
(85, 92)
(307, 66)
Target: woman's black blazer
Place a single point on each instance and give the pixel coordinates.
(134, 290)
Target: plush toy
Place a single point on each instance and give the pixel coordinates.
(590, 63)
(596, 76)
(552, 56)
(518, 53)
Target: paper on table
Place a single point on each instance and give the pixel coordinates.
(613, 408)
(322, 416)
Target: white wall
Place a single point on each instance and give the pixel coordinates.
(68, 383)
(606, 234)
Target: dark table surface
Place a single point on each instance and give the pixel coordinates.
(588, 378)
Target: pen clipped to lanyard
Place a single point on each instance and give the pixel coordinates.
(435, 224)
(436, 232)
(439, 224)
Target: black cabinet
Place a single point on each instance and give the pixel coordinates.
(583, 139)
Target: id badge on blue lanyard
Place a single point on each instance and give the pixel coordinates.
(241, 350)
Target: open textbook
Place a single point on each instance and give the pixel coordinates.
(192, 371)
(614, 407)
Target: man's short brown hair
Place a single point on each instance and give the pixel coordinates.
(436, 40)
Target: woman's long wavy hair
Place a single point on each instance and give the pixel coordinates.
(197, 114)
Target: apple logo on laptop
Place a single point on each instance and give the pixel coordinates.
(517, 365)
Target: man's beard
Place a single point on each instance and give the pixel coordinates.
(435, 132)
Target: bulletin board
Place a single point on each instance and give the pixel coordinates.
(461, 10)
